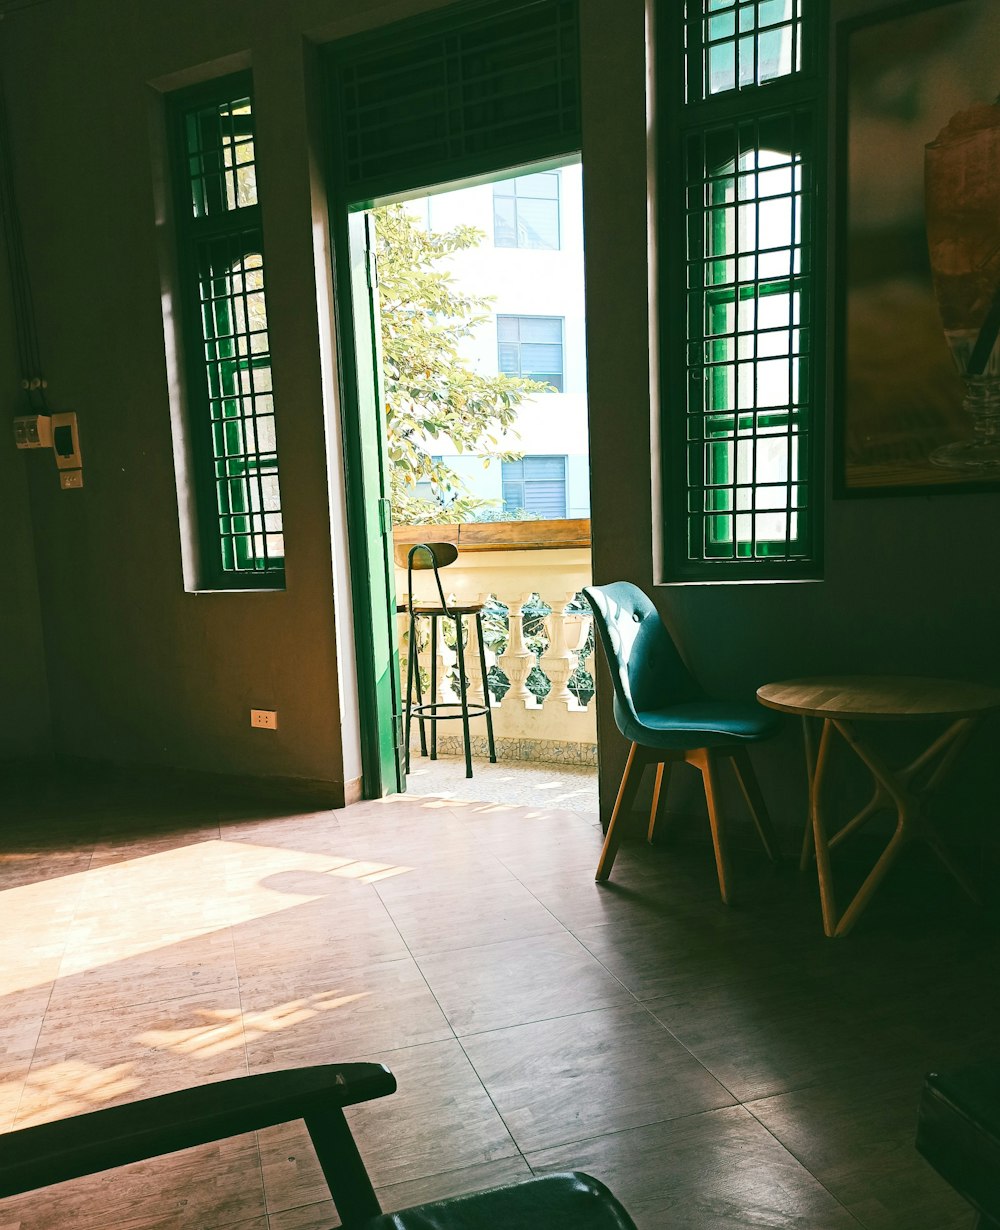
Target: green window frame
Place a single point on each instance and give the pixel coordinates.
(227, 352)
(741, 432)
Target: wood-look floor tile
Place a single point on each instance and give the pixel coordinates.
(765, 1038)
(94, 979)
(857, 1139)
(518, 981)
(579, 1076)
(204, 1188)
(715, 1171)
(319, 1216)
(21, 1016)
(439, 1119)
(838, 1033)
(453, 1183)
(349, 932)
(21, 867)
(466, 919)
(321, 1014)
(323, 1214)
(577, 901)
(121, 1054)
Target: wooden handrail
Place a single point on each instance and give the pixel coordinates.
(501, 535)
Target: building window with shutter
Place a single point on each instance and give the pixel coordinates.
(535, 485)
(532, 346)
(526, 211)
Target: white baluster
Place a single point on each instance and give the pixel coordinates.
(446, 659)
(567, 634)
(473, 668)
(518, 660)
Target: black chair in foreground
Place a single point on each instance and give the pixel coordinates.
(666, 716)
(86, 1144)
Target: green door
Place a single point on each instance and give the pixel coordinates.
(372, 560)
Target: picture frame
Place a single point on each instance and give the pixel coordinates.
(904, 76)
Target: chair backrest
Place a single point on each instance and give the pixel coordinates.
(646, 669)
(423, 556)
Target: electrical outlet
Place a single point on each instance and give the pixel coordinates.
(264, 719)
(70, 479)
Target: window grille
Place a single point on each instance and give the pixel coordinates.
(225, 311)
(531, 346)
(741, 441)
(734, 44)
(437, 98)
(526, 211)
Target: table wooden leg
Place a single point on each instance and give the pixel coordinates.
(810, 749)
(911, 820)
(824, 874)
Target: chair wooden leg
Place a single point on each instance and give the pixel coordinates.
(657, 787)
(704, 760)
(623, 803)
(747, 778)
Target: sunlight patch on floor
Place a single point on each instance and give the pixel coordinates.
(139, 905)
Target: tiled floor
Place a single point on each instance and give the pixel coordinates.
(570, 787)
(719, 1068)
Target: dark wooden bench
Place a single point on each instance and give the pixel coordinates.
(101, 1140)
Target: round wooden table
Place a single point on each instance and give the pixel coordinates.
(841, 700)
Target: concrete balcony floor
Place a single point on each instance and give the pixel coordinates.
(521, 783)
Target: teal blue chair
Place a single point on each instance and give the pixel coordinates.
(666, 716)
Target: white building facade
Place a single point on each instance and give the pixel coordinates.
(531, 264)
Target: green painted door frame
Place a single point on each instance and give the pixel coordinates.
(369, 517)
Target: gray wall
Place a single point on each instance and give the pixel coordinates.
(24, 716)
(140, 670)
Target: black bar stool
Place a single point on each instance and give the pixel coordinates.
(435, 555)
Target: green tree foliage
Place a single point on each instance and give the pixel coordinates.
(431, 391)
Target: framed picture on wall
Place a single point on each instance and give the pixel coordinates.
(917, 397)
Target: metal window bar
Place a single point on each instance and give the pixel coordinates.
(456, 93)
(749, 278)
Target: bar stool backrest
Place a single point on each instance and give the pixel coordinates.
(423, 556)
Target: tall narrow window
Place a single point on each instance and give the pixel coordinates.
(526, 211)
(741, 457)
(224, 311)
(531, 346)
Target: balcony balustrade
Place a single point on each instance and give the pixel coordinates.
(538, 637)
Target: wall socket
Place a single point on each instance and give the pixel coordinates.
(264, 719)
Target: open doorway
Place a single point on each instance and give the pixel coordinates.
(478, 332)
(475, 97)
